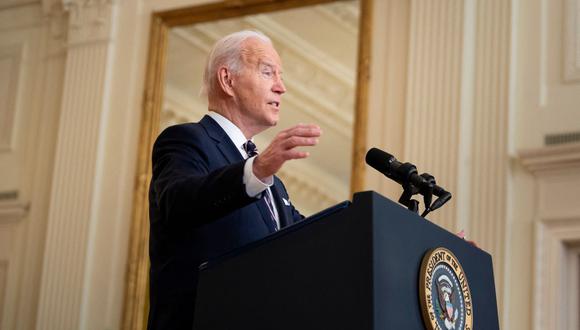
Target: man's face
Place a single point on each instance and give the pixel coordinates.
(258, 87)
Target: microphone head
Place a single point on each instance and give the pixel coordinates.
(379, 159)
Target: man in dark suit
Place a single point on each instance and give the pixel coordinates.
(211, 191)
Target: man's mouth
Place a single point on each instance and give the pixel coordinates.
(274, 103)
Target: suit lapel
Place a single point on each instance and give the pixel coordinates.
(222, 140)
(231, 153)
(284, 217)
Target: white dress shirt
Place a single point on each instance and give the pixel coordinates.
(254, 186)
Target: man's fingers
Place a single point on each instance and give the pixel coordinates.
(297, 154)
(298, 141)
(306, 130)
(284, 147)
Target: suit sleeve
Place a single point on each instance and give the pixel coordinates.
(183, 187)
(296, 216)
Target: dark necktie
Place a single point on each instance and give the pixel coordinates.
(251, 150)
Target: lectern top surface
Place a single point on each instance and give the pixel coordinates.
(313, 218)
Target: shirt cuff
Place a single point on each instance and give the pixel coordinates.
(254, 186)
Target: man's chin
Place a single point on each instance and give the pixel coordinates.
(274, 120)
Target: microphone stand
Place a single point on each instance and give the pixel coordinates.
(409, 190)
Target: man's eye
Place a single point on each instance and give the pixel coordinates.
(267, 73)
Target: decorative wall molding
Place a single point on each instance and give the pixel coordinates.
(89, 21)
(11, 208)
(552, 236)
(24, 212)
(7, 4)
(434, 95)
(57, 22)
(456, 120)
(557, 228)
(71, 215)
(551, 158)
(13, 211)
(572, 41)
(488, 154)
(345, 14)
(11, 58)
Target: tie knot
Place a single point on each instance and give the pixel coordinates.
(250, 148)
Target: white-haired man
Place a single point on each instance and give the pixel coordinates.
(211, 192)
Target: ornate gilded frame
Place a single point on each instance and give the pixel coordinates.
(135, 304)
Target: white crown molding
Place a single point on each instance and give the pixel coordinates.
(551, 158)
(90, 21)
(572, 41)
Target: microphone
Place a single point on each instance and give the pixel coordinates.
(406, 174)
(403, 173)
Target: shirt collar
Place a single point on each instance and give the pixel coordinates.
(233, 132)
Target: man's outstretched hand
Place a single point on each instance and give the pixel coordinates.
(285, 147)
(461, 234)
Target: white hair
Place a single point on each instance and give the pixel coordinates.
(227, 51)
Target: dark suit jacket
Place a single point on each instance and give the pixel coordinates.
(198, 210)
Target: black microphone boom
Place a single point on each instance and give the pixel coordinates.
(387, 164)
(406, 174)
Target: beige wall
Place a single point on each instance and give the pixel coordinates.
(31, 75)
(544, 215)
(465, 89)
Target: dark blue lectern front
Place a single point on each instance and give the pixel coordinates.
(356, 268)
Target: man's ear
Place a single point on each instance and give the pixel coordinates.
(225, 80)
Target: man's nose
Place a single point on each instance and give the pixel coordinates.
(279, 86)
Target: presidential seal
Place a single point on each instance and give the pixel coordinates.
(444, 292)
